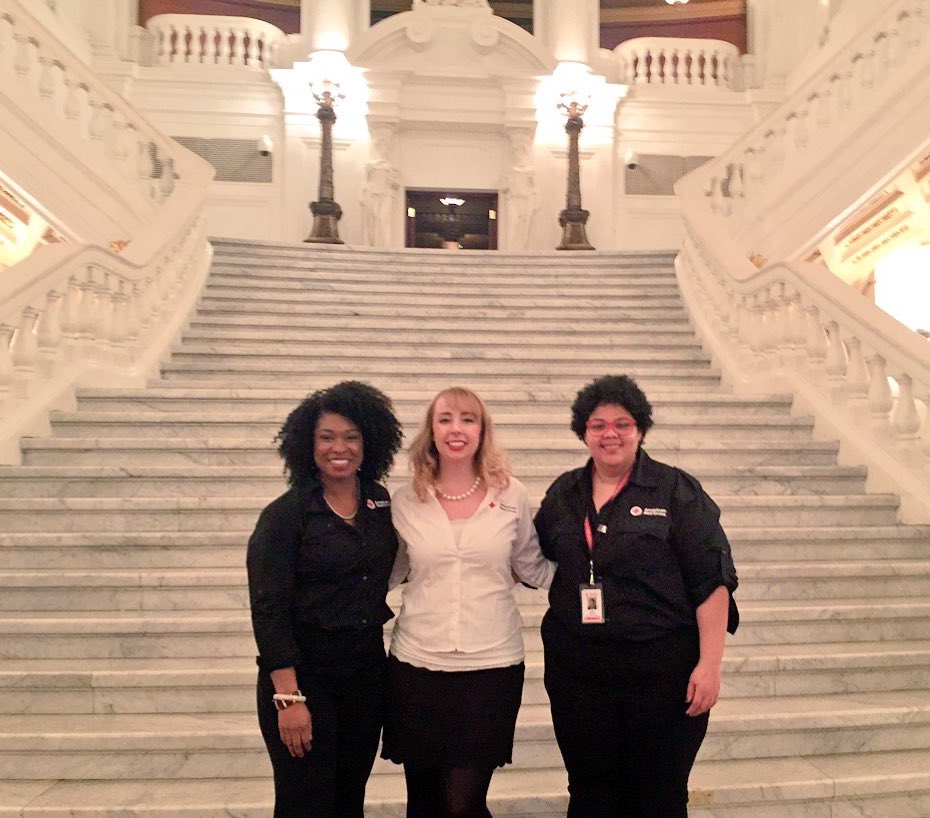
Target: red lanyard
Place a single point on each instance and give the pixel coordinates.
(588, 534)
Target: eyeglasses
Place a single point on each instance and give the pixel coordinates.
(621, 426)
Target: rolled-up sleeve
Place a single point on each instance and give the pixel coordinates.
(699, 541)
(271, 563)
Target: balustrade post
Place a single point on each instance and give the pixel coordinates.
(48, 333)
(757, 328)
(857, 378)
(49, 77)
(22, 58)
(905, 423)
(879, 397)
(24, 352)
(815, 339)
(100, 120)
(70, 320)
(835, 362)
(6, 361)
(75, 100)
(166, 183)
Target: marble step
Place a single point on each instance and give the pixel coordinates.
(813, 787)
(432, 299)
(631, 327)
(357, 364)
(165, 396)
(200, 513)
(138, 550)
(636, 283)
(691, 456)
(88, 686)
(266, 255)
(227, 633)
(244, 481)
(419, 338)
(170, 589)
(227, 745)
(671, 429)
(287, 350)
(454, 313)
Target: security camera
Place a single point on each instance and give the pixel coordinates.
(265, 145)
(631, 159)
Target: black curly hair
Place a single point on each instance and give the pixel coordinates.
(368, 408)
(617, 389)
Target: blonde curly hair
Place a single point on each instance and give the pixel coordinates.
(491, 460)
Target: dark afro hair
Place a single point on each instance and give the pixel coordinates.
(368, 408)
(617, 389)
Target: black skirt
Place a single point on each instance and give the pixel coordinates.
(451, 718)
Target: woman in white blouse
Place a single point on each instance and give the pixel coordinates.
(456, 664)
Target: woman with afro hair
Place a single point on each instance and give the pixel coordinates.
(318, 562)
(638, 611)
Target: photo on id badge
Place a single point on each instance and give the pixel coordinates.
(592, 604)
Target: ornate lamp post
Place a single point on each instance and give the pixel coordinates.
(573, 102)
(326, 70)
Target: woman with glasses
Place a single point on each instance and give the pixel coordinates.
(319, 561)
(456, 664)
(639, 608)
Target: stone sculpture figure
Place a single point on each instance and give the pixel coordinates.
(521, 197)
(381, 182)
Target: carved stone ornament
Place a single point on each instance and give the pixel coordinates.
(474, 4)
(484, 36)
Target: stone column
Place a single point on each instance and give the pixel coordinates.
(569, 28)
(331, 25)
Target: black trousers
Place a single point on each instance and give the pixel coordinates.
(343, 678)
(619, 715)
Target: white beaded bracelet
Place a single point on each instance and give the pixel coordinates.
(284, 700)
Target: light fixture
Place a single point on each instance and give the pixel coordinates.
(452, 201)
(573, 83)
(676, 2)
(327, 72)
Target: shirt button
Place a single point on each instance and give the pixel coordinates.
(364, 576)
(364, 621)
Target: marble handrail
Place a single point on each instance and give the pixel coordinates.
(77, 311)
(767, 169)
(201, 39)
(774, 324)
(679, 61)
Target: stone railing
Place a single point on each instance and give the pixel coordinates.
(199, 39)
(89, 311)
(674, 61)
(775, 324)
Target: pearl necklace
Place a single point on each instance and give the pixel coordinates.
(463, 495)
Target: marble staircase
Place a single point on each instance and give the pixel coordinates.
(126, 657)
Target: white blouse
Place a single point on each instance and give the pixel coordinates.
(459, 611)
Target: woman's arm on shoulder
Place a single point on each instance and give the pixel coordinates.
(527, 560)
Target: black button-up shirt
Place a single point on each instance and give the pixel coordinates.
(310, 571)
(662, 552)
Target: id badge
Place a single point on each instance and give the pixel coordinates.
(592, 603)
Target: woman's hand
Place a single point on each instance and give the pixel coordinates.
(295, 728)
(703, 688)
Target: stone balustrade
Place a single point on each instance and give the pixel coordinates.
(83, 109)
(778, 324)
(199, 39)
(849, 90)
(74, 312)
(681, 62)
